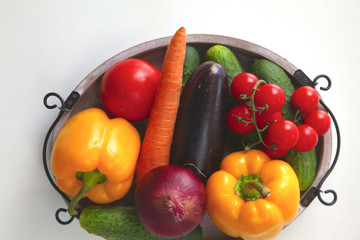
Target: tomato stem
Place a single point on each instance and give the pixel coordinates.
(242, 119)
(297, 116)
(260, 109)
(254, 110)
(243, 97)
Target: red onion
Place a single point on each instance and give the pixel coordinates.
(170, 201)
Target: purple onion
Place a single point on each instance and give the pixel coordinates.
(170, 201)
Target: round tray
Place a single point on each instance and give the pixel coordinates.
(86, 95)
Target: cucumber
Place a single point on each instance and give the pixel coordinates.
(198, 141)
(304, 165)
(120, 223)
(191, 62)
(227, 59)
(241, 141)
(272, 73)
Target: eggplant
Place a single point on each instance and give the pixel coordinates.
(200, 128)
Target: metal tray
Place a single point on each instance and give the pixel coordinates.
(86, 95)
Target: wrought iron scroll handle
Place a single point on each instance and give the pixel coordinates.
(315, 82)
(316, 191)
(52, 94)
(65, 107)
(58, 218)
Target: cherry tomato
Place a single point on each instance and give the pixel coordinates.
(306, 98)
(128, 88)
(272, 153)
(308, 138)
(319, 120)
(239, 119)
(284, 134)
(243, 84)
(265, 118)
(270, 94)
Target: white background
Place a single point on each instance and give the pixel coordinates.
(52, 45)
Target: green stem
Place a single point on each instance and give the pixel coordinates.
(254, 110)
(264, 191)
(243, 97)
(90, 179)
(250, 187)
(297, 116)
(241, 119)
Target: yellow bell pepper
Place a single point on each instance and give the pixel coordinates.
(95, 156)
(251, 196)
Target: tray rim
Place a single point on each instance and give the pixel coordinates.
(205, 39)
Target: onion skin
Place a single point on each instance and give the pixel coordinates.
(170, 201)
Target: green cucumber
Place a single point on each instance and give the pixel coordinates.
(191, 62)
(272, 73)
(243, 141)
(304, 165)
(228, 60)
(120, 223)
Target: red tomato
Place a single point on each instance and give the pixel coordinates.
(265, 118)
(243, 84)
(128, 89)
(306, 98)
(308, 138)
(272, 153)
(319, 120)
(239, 119)
(270, 94)
(284, 134)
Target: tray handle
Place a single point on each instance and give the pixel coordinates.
(65, 107)
(316, 191)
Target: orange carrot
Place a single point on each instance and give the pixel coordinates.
(155, 150)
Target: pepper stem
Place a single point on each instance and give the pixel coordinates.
(90, 179)
(264, 191)
(251, 187)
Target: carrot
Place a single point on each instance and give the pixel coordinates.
(155, 150)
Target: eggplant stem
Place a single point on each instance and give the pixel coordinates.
(197, 169)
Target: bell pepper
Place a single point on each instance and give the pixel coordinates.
(95, 157)
(252, 196)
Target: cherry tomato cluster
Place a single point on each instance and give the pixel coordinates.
(264, 115)
(316, 121)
